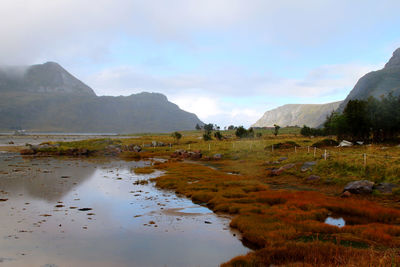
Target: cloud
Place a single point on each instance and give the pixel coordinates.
(69, 30)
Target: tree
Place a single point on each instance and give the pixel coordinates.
(231, 127)
(276, 130)
(305, 131)
(198, 127)
(218, 135)
(241, 132)
(207, 136)
(208, 127)
(176, 136)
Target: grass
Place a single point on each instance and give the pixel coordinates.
(283, 216)
(143, 170)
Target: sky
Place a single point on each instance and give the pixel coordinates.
(227, 61)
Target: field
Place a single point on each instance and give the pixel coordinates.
(281, 214)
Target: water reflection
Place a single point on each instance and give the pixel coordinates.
(339, 222)
(127, 224)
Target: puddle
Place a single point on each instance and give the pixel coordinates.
(98, 216)
(339, 222)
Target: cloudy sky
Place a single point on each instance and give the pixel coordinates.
(228, 61)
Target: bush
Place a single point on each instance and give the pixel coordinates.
(207, 136)
(218, 135)
(325, 142)
(241, 132)
(287, 144)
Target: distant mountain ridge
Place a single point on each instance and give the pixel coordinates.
(312, 115)
(46, 97)
(377, 83)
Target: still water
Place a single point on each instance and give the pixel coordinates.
(78, 212)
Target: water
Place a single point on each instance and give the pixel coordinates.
(123, 224)
(339, 222)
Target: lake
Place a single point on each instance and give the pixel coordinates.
(82, 212)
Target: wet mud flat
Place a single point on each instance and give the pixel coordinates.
(76, 212)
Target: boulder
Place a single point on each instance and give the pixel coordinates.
(313, 178)
(27, 151)
(345, 143)
(385, 188)
(217, 156)
(137, 148)
(359, 187)
(275, 172)
(345, 194)
(307, 166)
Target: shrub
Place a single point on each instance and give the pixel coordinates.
(325, 142)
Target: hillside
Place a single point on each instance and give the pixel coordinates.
(49, 77)
(311, 115)
(378, 83)
(47, 98)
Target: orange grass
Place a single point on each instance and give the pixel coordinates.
(288, 226)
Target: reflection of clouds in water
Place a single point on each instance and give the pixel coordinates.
(41, 179)
(113, 234)
(339, 222)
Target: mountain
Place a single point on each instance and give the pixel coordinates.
(47, 98)
(312, 115)
(377, 83)
(49, 77)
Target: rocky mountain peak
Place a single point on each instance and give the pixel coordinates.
(394, 60)
(49, 77)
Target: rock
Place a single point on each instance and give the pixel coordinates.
(11, 143)
(359, 187)
(345, 194)
(282, 159)
(27, 152)
(183, 154)
(137, 148)
(156, 144)
(217, 156)
(280, 170)
(385, 188)
(345, 143)
(313, 178)
(307, 166)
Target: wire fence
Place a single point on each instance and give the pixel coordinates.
(263, 146)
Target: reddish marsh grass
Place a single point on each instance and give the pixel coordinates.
(288, 226)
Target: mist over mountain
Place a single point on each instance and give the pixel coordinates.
(49, 77)
(377, 83)
(46, 97)
(311, 115)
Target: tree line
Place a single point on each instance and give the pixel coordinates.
(376, 120)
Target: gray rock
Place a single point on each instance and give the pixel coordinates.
(137, 148)
(313, 178)
(282, 158)
(359, 187)
(385, 188)
(217, 156)
(279, 171)
(307, 166)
